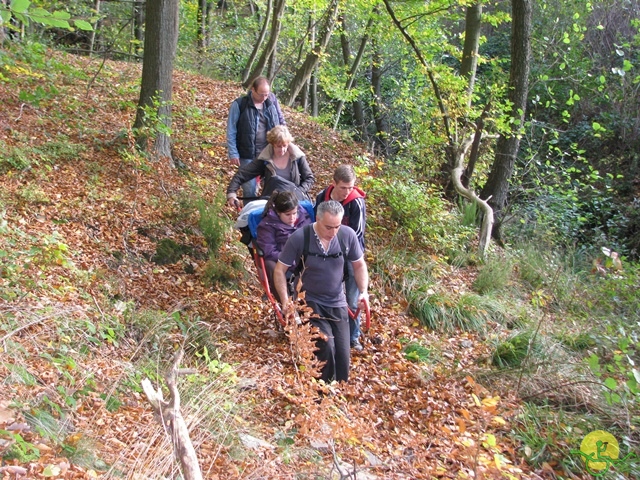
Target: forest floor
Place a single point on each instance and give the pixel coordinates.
(79, 233)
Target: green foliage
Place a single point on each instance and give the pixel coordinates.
(24, 11)
(417, 353)
(548, 434)
(577, 341)
(169, 251)
(156, 120)
(213, 222)
(20, 450)
(219, 271)
(418, 212)
(24, 156)
(512, 352)
(493, 276)
(442, 312)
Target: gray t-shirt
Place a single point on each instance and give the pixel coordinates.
(322, 276)
(261, 133)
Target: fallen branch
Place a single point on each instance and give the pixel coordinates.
(172, 420)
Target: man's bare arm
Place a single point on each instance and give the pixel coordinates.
(280, 282)
(361, 274)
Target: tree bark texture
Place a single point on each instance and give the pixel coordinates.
(497, 187)
(378, 107)
(276, 25)
(351, 75)
(169, 415)
(313, 57)
(485, 208)
(470, 48)
(160, 42)
(258, 45)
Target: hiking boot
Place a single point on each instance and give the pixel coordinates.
(357, 346)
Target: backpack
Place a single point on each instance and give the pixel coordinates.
(305, 252)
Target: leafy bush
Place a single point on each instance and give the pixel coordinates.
(418, 213)
(417, 353)
(213, 222)
(493, 275)
(512, 352)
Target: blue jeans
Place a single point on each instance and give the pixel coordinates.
(248, 188)
(352, 293)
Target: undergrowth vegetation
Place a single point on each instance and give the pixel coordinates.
(564, 334)
(562, 322)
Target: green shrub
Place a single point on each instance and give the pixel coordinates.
(512, 352)
(418, 212)
(417, 353)
(533, 267)
(169, 251)
(213, 223)
(493, 275)
(218, 271)
(441, 312)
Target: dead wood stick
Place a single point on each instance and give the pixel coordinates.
(173, 421)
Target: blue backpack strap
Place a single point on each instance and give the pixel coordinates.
(308, 206)
(253, 220)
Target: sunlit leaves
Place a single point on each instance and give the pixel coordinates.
(24, 12)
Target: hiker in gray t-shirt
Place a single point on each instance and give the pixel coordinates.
(322, 282)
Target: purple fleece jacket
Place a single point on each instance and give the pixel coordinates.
(273, 233)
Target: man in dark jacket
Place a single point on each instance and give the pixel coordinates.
(344, 191)
(250, 118)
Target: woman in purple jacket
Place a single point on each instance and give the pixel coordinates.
(283, 216)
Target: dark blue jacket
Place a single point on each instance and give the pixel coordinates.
(243, 124)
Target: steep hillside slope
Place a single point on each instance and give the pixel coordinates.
(86, 313)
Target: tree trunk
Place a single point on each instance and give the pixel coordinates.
(160, 42)
(487, 211)
(470, 49)
(258, 44)
(497, 187)
(346, 56)
(269, 48)
(313, 57)
(378, 107)
(313, 80)
(204, 11)
(138, 20)
(170, 417)
(92, 40)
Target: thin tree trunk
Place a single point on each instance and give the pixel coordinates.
(92, 40)
(138, 20)
(470, 48)
(487, 211)
(170, 417)
(313, 81)
(160, 42)
(497, 187)
(258, 44)
(276, 25)
(313, 57)
(346, 55)
(203, 24)
(379, 117)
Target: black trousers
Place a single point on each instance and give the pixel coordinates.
(335, 351)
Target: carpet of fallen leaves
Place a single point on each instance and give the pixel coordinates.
(394, 419)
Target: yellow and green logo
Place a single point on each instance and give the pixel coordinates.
(600, 451)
